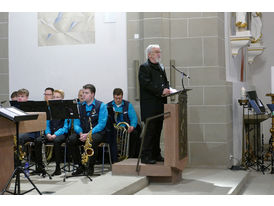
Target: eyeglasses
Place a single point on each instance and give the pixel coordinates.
(47, 94)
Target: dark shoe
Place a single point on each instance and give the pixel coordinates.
(39, 170)
(147, 160)
(79, 171)
(90, 170)
(159, 158)
(56, 172)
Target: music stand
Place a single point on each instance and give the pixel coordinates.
(64, 109)
(16, 115)
(258, 111)
(255, 107)
(32, 106)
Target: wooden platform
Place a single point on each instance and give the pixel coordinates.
(156, 172)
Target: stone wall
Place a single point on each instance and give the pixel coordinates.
(195, 41)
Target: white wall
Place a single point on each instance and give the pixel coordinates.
(233, 68)
(103, 64)
(259, 79)
(261, 68)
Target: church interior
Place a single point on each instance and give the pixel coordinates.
(226, 104)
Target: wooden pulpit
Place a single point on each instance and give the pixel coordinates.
(175, 147)
(7, 133)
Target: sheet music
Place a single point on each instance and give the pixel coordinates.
(16, 111)
(7, 112)
(172, 90)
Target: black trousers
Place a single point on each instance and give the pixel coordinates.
(74, 144)
(134, 144)
(56, 146)
(112, 140)
(151, 145)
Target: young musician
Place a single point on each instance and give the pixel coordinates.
(126, 114)
(90, 110)
(23, 96)
(56, 132)
(13, 96)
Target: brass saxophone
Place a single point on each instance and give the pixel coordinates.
(88, 151)
(22, 154)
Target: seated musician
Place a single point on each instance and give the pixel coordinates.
(13, 96)
(48, 94)
(90, 110)
(124, 113)
(56, 132)
(80, 96)
(23, 96)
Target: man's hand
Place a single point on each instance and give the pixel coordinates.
(49, 137)
(53, 137)
(83, 137)
(130, 129)
(166, 92)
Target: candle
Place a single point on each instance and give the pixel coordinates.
(272, 80)
(243, 94)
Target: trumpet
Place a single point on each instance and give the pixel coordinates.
(88, 150)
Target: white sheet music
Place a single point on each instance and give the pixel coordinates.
(172, 90)
(7, 112)
(12, 112)
(16, 111)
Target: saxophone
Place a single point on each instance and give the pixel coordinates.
(88, 151)
(22, 154)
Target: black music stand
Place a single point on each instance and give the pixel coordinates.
(258, 111)
(32, 106)
(64, 109)
(16, 115)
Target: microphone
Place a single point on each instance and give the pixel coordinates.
(180, 72)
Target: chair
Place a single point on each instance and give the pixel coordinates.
(103, 145)
(48, 156)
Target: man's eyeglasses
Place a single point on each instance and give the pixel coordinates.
(48, 94)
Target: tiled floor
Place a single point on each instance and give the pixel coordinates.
(195, 181)
(259, 184)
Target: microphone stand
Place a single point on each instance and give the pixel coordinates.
(183, 74)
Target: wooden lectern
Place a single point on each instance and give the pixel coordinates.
(175, 147)
(7, 133)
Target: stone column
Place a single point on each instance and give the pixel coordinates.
(4, 54)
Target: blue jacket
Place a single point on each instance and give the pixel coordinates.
(129, 114)
(60, 131)
(102, 119)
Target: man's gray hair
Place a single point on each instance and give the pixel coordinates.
(150, 47)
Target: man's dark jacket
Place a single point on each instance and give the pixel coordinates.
(153, 81)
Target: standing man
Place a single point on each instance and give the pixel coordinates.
(96, 111)
(126, 114)
(153, 86)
